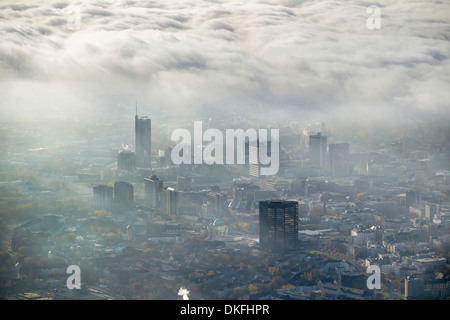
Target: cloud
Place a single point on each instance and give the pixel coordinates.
(302, 57)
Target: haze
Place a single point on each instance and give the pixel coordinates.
(311, 59)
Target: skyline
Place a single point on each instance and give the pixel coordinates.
(280, 150)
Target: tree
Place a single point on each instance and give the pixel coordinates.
(276, 283)
(253, 289)
(238, 293)
(399, 284)
(274, 270)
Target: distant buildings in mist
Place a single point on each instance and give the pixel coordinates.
(332, 158)
(107, 197)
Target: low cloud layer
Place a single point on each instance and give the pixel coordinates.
(309, 58)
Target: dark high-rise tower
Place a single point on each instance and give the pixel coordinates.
(278, 225)
(143, 137)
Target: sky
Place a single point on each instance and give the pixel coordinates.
(191, 59)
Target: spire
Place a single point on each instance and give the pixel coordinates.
(136, 109)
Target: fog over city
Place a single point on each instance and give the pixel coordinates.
(364, 128)
(311, 58)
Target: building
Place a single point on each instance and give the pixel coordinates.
(339, 159)
(412, 198)
(244, 191)
(437, 289)
(318, 150)
(123, 194)
(430, 210)
(361, 236)
(143, 141)
(353, 280)
(126, 161)
(153, 188)
(216, 204)
(171, 202)
(278, 225)
(414, 288)
(103, 197)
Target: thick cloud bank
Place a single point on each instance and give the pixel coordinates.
(192, 57)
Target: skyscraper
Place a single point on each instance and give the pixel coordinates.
(318, 150)
(126, 161)
(153, 188)
(430, 210)
(123, 194)
(143, 137)
(278, 225)
(103, 197)
(339, 159)
(171, 202)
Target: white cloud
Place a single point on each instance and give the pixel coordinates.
(179, 56)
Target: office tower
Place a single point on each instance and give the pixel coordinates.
(278, 225)
(339, 159)
(168, 156)
(430, 210)
(123, 194)
(414, 288)
(143, 141)
(217, 204)
(412, 197)
(126, 161)
(103, 197)
(318, 150)
(171, 202)
(323, 128)
(153, 188)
